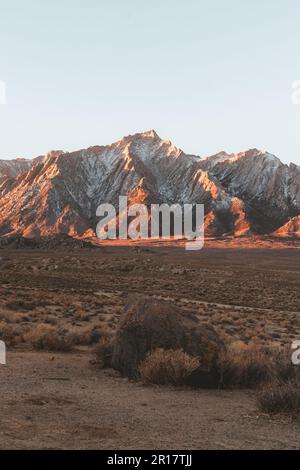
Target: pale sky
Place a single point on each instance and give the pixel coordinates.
(208, 75)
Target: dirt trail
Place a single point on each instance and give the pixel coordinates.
(62, 401)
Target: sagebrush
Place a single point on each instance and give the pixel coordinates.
(164, 367)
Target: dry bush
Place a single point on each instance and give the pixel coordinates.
(87, 336)
(281, 366)
(244, 368)
(253, 366)
(104, 351)
(278, 397)
(49, 338)
(249, 366)
(11, 334)
(167, 367)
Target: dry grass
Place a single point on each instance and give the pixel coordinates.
(250, 366)
(271, 371)
(49, 338)
(10, 333)
(278, 397)
(167, 367)
(69, 297)
(87, 336)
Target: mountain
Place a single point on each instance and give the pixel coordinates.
(246, 193)
(11, 168)
(290, 229)
(270, 189)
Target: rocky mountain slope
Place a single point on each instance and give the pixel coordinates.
(290, 229)
(247, 193)
(11, 168)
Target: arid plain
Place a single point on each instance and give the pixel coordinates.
(64, 400)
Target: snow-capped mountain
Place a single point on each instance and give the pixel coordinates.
(270, 189)
(250, 192)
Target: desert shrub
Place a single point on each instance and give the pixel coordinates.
(49, 338)
(104, 351)
(250, 366)
(11, 334)
(278, 397)
(244, 368)
(281, 366)
(167, 367)
(87, 336)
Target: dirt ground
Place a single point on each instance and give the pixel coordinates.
(61, 401)
(54, 400)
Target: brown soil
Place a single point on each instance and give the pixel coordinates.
(62, 401)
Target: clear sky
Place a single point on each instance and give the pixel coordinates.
(208, 75)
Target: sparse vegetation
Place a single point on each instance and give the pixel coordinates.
(279, 397)
(71, 301)
(272, 372)
(167, 367)
(10, 333)
(49, 338)
(244, 368)
(245, 297)
(251, 366)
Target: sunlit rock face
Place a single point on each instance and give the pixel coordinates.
(246, 193)
(290, 229)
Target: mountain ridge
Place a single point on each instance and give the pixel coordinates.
(251, 192)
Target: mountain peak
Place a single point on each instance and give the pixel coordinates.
(141, 135)
(151, 133)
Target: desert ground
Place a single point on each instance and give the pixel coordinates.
(63, 400)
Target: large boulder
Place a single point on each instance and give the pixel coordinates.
(148, 324)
